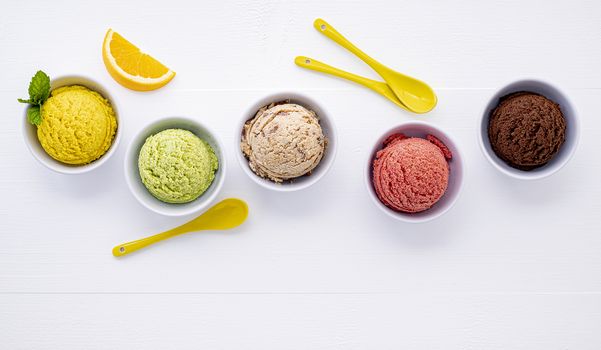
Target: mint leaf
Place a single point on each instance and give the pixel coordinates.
(39, 91)
(34, 115)
(39, 88)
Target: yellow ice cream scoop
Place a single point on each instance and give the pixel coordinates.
(227, 214)
(78, 125)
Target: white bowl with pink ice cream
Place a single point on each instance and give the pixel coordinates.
(414, 172)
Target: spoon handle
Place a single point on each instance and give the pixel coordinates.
(326, 29)
(130, 247)
(377, 86)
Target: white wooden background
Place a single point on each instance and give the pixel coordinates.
(513, 265)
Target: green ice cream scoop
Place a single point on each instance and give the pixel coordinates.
(176, 166)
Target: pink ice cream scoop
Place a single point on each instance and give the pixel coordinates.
(411, 174)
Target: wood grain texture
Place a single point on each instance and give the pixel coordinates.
(279, 321)
(513, 265)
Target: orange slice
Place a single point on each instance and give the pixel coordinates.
(131, 67)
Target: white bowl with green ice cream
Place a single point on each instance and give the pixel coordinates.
(175, 166)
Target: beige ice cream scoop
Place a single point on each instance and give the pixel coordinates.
(283, 141)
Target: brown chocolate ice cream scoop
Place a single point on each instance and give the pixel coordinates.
(526, 130)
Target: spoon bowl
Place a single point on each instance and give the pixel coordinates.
(413, 93)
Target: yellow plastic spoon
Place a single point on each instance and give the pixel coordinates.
(228, 213)
(416, 95)
(377, 86)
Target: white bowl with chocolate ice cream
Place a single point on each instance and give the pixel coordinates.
(529, 129)
(286, 142)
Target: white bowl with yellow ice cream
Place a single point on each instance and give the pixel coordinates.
(79, 129)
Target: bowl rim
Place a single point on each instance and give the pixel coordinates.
(331, 148)
(55, 165)
(203, 201)
(410, 217)
(497, 162)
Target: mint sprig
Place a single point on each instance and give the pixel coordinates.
(39, 91)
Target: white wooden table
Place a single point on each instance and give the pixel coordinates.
(513, 265)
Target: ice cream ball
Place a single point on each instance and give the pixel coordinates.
(176, 166)
(283, 141)
(411, 174)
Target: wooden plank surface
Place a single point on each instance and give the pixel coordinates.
(513, 265)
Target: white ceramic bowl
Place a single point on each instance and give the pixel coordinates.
(328, 129)
(572, 129)
(132, 174)
(420, 129)
(31, 137)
